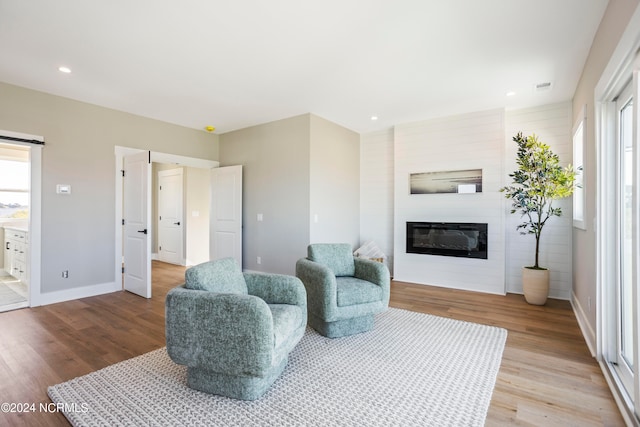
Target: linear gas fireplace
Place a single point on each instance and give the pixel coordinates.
(456, 239)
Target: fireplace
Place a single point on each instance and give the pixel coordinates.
(455, 239)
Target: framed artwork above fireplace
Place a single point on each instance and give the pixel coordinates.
(458, 181)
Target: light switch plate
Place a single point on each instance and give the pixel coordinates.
(63, 189)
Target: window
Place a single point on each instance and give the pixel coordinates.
(579, 136)
(14, 189)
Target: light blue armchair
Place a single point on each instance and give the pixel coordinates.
(233, 330)
(343, 292)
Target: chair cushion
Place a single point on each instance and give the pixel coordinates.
(223, 276)
(286, 319)
(352, 291)
(336, 256)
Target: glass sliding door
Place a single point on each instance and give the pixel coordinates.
(628, 238)
(617, 163)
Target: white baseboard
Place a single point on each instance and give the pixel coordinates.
(76, 293)
(587, 331)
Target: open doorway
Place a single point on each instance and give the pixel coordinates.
(15, 183)
(139, 224)
(180, 214)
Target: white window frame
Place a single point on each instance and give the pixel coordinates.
(579, 146)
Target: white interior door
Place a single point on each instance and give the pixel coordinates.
(137, 221)
(170, 216)
(226, 213)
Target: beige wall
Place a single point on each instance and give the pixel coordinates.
(78, 230)
(607, 37)
(275, 160)
(334, 183)
(198, 198)
(293, 168)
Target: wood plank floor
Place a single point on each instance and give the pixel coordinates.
(547, 376)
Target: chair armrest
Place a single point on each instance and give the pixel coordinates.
(374, 272)
(276, 288)
(321, 286)
(226, 333)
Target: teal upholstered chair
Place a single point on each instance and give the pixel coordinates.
(343, 292)
(234, 330)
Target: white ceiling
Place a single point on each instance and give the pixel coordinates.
(233, 64)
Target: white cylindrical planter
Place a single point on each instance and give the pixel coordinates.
(535, 284)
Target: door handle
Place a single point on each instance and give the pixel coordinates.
(176, 223)
(143, 231)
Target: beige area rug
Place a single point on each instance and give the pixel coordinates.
(412, 370)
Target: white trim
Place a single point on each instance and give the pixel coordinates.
(585, 327)
(177, 160)
(77, 293)
(34, 263)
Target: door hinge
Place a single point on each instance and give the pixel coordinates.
(122, 170)
(161, 187)
(160, 217)
(122, 221)
(160, 248)
(122, 270)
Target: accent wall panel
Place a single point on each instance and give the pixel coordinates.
(468, 141)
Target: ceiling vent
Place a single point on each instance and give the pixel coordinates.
(542, 87)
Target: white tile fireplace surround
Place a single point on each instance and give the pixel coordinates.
(479, 140)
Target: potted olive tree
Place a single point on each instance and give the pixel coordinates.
(538, 181)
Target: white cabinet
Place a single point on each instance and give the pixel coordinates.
(16, 244)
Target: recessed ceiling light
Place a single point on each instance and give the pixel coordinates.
(374, 118)
(510, 93)
(65, 70)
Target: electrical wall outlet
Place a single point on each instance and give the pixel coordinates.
(65, 274)
(259, 260)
